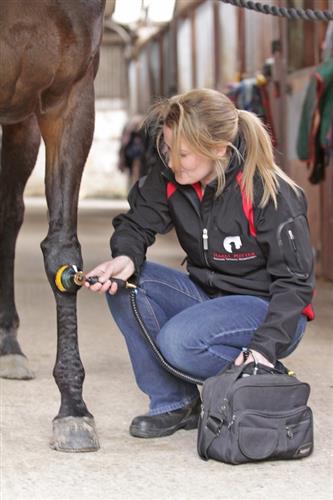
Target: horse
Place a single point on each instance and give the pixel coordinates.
(49, 58)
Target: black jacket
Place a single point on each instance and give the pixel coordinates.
(231, 246)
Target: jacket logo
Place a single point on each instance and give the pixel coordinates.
(232, 243)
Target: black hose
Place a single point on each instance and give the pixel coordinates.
(171, 369)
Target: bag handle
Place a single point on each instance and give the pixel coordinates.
(278, 369)
(233, 370)
(237, 371)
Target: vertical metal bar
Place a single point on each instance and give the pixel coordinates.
(241, 41)
(217, 46)
(194, 51)
(283, 115)
(162, 89)
(174, 59)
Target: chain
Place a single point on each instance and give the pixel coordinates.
(292, 13)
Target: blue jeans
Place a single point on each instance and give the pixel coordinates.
(195, 333)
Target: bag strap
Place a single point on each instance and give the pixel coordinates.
(207, 436)
(215, 421)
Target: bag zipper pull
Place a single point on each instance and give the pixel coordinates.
(205, 238)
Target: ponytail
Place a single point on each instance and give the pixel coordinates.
(259, 158)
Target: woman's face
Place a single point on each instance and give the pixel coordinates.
(192, 167)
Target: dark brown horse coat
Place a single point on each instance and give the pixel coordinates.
(48, 60)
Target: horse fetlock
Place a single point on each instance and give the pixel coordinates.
(72, 405)
(8, 342)
(59, 251)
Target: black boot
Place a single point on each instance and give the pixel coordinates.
(164, 424)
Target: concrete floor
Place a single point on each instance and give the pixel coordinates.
(125, 467)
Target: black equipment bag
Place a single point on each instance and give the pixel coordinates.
(252, 413)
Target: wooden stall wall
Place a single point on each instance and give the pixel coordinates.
(297, 85)
(326, 192)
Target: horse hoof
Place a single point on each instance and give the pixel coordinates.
(74, 435)
(15, 366)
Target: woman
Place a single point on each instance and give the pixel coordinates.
(242, 224)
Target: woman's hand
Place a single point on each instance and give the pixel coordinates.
(259, 358)
(121, 267)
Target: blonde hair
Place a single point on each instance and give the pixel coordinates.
(207, 120)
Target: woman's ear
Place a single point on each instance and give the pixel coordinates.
(221, 151)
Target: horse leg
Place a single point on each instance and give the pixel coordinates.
(20, 144)
(67, 132)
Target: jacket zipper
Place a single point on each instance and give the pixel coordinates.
(204, 233)
(205, 239)
(205, 250)
(204, 236)
(293, 244)
(205, 245)
(292, 240)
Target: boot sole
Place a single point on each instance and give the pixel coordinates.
(187, 425)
